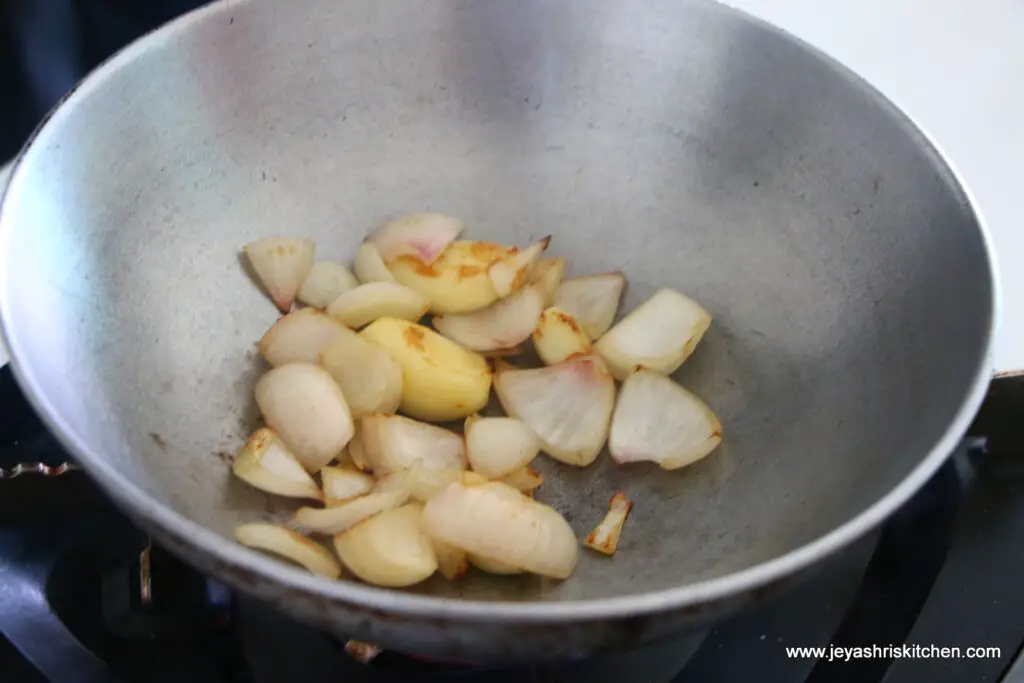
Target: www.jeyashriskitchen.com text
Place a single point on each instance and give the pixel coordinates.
(834, 653)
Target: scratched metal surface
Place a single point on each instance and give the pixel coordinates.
(682, 143)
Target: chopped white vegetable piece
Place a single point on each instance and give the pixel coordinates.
(281, 264)
(512, 272)
(593, 300)
(569, 406)
(659, 421)
(389, 549)
(266, 463)
(361, 306)
(327, 280)
(299, 336)
(502, 325)
(291, 546)
(605, 536)
(659, 335)
(307, 410)
(559, 337)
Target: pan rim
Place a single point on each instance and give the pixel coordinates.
(173, 524)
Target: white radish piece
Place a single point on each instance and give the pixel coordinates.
(659, 421)
(422, 235)
(265, 463)
(327, 280)
(569, 405)
(659, 335)
(548, 273)
(498, 523)
(457, 282)
(452, 562)
(364, 304)
(493, 566)
(525, 479)
(496, 446)
(369, 266)
(338, 518)
(299, 336)
(341, 484)
(559, 337)
(605, 536)
(502, 325)
(511, 273)
(369, 377)
(593, 300)
(395, 442)
(281, 264)
(307, 410)
(291, 546)
(389, 549)
(441, 380)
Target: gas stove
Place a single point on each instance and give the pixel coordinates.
(86, 597)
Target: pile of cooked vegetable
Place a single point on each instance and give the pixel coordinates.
(367, 378)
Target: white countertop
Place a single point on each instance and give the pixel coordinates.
(954, 67)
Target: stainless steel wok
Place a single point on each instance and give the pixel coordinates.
(681, 142)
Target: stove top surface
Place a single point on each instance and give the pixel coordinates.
(85, 597)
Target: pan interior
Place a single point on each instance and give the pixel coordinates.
(676, 142)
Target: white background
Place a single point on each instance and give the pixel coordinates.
(957, 68)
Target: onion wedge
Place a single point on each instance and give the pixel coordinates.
(503, 325)
(338, 518)
(369, 266)
(559, 336)
(441, 380)
(364, 304)
(525, 479)
(291, 546)
(452, 562)
(496, 446)
(593, 300)
(496, 522)
(659, 421)
(569, 406)
(548, 273)
(605, 536)
(395, 442)
(424, 236)
(281, 264)
(342, 484)
(265, 463)
(510, 273)
(427, 483)
(304, 406)
(457, 282)
(369, 377)
(400, 481)
(389, 549)
(327, 280)
(299, 336)
(357, 454)
(659, 335)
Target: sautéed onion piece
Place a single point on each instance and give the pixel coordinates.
(403, 495)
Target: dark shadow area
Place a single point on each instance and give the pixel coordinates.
(46, 46)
